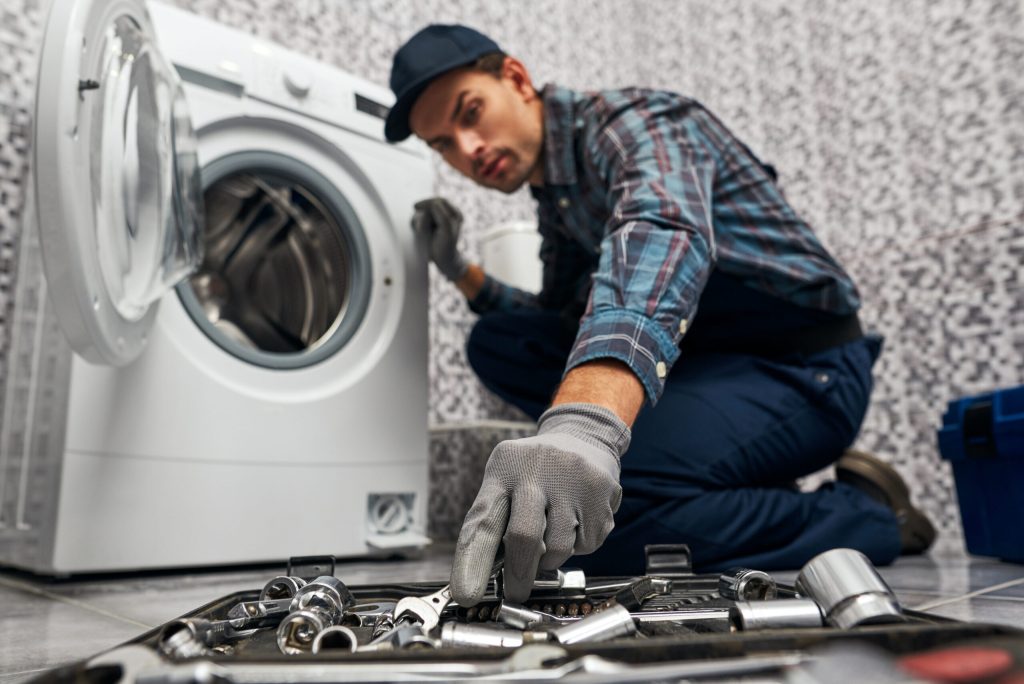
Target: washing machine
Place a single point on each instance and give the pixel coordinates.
(226, 242)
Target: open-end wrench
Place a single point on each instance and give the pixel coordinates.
(427, 610)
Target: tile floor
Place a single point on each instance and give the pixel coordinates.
(45, 623)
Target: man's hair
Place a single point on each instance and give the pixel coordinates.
(491, 63)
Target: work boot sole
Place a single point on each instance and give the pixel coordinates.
(858, 468)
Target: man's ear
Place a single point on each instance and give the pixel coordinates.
(515, 71)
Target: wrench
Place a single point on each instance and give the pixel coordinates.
(427, 610)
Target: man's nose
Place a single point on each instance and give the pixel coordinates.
(471, 145)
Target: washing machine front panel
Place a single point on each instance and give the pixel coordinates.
(364, 402)
(116, 175)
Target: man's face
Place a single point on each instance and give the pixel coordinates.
(488, 129)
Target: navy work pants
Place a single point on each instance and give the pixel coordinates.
(713, 464)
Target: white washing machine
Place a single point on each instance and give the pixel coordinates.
(246, 304)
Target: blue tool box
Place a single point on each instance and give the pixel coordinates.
(983, 437)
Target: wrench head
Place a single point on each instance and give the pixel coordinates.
(420, 610)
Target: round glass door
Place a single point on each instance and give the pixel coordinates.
(117, 182)
(286, 277)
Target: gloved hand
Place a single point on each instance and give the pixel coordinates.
(548, 496)
(441, 223)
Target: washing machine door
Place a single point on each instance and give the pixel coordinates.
(116, 176)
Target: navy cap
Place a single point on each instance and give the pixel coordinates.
(433, 51)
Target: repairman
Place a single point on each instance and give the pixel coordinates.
(693, 350)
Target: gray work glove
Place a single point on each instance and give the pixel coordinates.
(547, 497)
(441, 222)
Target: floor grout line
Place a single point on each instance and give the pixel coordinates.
(21, 586)
(5, 675)
(944, 602)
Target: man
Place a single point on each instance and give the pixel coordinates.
(650, 211)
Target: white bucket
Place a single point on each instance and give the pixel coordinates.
(510, 252)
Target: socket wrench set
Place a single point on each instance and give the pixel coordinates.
(667, 625)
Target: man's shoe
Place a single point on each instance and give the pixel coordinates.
(881, 482)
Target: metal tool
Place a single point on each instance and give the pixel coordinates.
(521, 617)
(315, 607)
(281, 587)
(336, 638)
(191, 637)
(259, 613)
(327, 594)
(403, 636)
(299, 629)
(610, 623)
(427, 610)
(634, 596)
(744, 584)
(367, 614)
(775, 614)
(455, 634)
(849, 589)
(563, 579)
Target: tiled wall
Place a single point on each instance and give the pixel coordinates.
(897, 127)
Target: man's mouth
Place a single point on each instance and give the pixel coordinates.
(491, 169)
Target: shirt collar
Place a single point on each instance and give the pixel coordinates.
(559, 135)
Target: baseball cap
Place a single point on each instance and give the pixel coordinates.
(434, 50)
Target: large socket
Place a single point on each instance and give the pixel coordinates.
(849, 589)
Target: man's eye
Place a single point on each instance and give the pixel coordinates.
(471, 115)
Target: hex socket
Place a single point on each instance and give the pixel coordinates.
(281, 587)
(849, 589)
(774, 614)
(298, 631)
(744, 584)
(326, 594)
(336, 639)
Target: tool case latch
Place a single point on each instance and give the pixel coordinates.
(668, 560)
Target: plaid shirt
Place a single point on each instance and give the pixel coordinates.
(645, 194)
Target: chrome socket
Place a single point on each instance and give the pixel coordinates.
(743, 584)
(326, 594)
(615, 621)
(454, 634)
(775, 614)
(299, 630)
(849, 589)
(189, 637)
(521, 617)
(281, 587)
(336, 639)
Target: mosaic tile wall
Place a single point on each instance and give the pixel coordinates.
(897, 127)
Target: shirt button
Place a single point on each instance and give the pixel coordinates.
(682, 326)
(661, 370)
(822, 378)
(563, 202)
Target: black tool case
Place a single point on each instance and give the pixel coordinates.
(694, 650)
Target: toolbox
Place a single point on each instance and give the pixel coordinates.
(983, 438)
(683, 626)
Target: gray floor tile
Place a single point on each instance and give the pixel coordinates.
(982, 609)
(40, 631)
(19, 677)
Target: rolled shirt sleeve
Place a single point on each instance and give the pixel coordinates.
(658, 247)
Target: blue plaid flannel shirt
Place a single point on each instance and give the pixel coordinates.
(645, 193)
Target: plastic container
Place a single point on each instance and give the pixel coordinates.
(983, 438)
